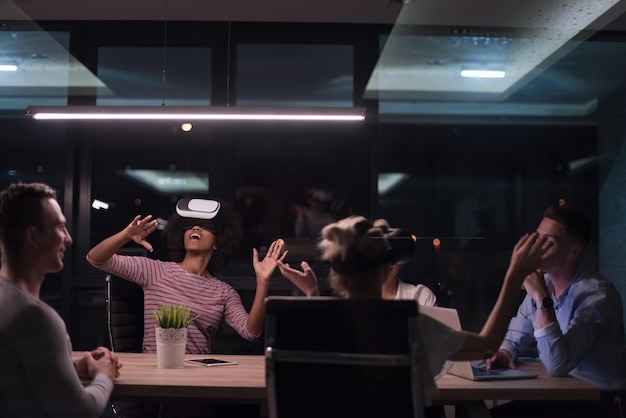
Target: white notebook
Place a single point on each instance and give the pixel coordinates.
(466, 369)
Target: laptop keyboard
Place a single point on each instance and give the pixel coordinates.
(482, 372)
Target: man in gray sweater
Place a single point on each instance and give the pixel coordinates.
(39, 376)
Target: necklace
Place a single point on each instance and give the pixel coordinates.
(204, 275)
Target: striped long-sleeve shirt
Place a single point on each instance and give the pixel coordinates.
(168, 283)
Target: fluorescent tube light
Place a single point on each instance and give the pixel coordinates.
(196, 113)
(8, 67)
(483, 73)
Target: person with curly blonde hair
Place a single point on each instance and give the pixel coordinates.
(396, 289)
(360, 258)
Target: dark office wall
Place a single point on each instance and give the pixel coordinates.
(612, 201)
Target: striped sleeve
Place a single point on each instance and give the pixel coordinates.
(236, 315)
(141, 270)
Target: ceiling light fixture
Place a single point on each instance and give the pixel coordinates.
(8, 67)
(483, 73)
(196, 113)
(550, 30)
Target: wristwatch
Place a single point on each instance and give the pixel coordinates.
(545, 303)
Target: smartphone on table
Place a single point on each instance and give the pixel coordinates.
(210, 361)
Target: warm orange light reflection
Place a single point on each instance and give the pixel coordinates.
(561, 202)
(436, 242)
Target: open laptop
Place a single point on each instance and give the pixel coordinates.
(466, 369)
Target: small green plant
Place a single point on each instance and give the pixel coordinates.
(174, 316)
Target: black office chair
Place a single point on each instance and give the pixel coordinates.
(124, 310)
(124, 314)
(329, 357)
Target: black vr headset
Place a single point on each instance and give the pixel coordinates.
(401, 243)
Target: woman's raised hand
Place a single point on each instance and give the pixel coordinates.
(140, 228)
(528, 253)
(264, 268)
(305, 280)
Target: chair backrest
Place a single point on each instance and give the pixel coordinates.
(330, 357)
(124, 309)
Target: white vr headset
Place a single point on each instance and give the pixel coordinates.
(198, 208)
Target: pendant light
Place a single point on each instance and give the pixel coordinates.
(196, 113)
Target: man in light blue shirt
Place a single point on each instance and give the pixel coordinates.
(572, 313)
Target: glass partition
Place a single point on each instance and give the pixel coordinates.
(151, 76)
(36, 68)
(295, 75)
(469, 192)
(37, 153)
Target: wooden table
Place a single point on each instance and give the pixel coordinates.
(544, 387)
(470, 398)
(140, 378)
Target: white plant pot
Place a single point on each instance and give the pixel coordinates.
(170, 344)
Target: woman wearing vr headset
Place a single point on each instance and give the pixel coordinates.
(202, 236)
(395, 289)
(361, 255)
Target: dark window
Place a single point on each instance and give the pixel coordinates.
(295, 75)
(144, 76)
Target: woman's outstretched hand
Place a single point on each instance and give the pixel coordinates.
(140, 228)
(528, 254)
(305, 280)
(264, 268)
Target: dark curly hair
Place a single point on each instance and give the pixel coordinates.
(227, 224)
